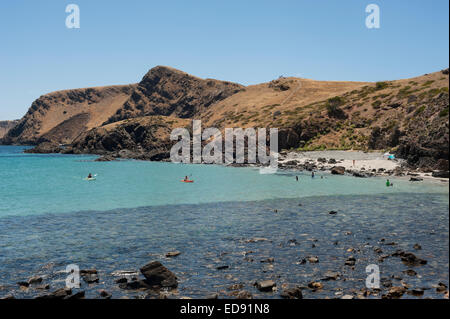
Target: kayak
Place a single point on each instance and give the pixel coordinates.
(186, 181)
(90, 179)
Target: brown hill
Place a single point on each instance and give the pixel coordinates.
(167, 91)
(5, 126)
(61, 116)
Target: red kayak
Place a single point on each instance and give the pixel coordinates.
(186, 181)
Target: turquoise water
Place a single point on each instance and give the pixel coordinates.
(135, 212)
(36, 184)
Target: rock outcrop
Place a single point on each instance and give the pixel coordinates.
(5, 126)
(170, 92)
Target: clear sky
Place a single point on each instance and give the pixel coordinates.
(245, 41)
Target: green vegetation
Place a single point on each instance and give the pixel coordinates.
(376, 104)
(444, 112)
(420, 110)
(381, 85)
(333, 106)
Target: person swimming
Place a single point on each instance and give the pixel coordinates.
(296, 178)
(388, 183)
(312, 174)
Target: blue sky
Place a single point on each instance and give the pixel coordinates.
(249, 42)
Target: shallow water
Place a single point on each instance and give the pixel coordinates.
(211, 227)
(36, 184)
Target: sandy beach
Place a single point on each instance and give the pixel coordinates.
(355, 162)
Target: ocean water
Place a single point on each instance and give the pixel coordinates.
(39, 184)
(135, 212)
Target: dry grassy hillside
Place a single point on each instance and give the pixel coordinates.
(274, 103)
(57, 116)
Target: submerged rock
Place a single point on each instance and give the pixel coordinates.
(315, 285)
(292, 293)
(61, 293)
(395, 293)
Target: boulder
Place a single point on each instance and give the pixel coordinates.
(338, 170)
(158, 275)
(266, 285)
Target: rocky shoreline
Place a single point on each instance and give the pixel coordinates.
(155, 281)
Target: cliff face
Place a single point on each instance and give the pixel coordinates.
(61, 116)
(5, 126)
(145, 138)
(166, 91)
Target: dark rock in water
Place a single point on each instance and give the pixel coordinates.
(158, 275)
(385, 282)
(212, 296)
(43, 287)
(90, 278)
(135, 285)
(378, 250)
(315, 285)
(35, 280)
(416, 179)
(121, 280)
(61, 293)
(105, 158)
(440, 174)
(332, 212)
(78, 295)
(268, 260)
(23, 284)
(244, 295)
(235, 287)
(359, 174)
(266, 285)
(410, 272)
(417, 247)
(411, 260)
(292, 293)
(395, 293)
(173, 254)
(415, 292)
(312, 259)
(338, 170)
(351, 261)
(88, 272)
(222, 267)
(331, 275)
(105, 294)
(441, 287)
